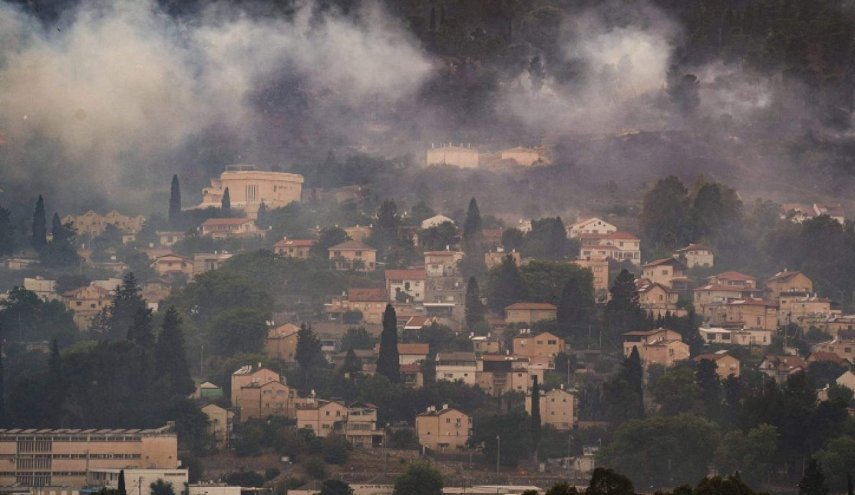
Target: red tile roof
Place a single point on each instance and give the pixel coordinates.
(408, 274)
(531, 305)
(225, 221)
(366, 295)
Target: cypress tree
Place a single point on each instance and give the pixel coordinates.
(2, 390)
(388, 363)
(56, 386)
(122, 490)
(39, 240)
(120, 314)
(174, 201)
(352, 364)
(535, 413)
(474, 306)
(634, 374)
(226, 203)
(171, 357)
(140, 331)
(7, 232)
(472, 225)
(56, 230)
(308, 353)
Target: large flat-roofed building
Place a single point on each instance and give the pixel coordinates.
(138, 481)
(249, 188)
(62, 457)
(458, 156)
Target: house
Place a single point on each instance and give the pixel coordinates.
(224, 228)
(544, 344)
(406, 285)
(457, 366)
(249, 188)
(412, 376)
(208, 391)
(745, 313)
(827, 357)
(841, 346)
(600, 269)
(445, 297)
(44, 288)
(695, 255)
(497, 256)
(358, 232)
(799, 212)
(205, 262)
(486, 344)
(418, 323)
(658, 346)
(435, 221)
(442, 263)
(788, 282)
(281, 342)
(733, 279)
(726, 364)
(360, 428)
(838, 325)
(86, 303)
(709, 297)
(259, 393)
(443, 429)
(557, 409)
(92, 224)
(353, 255)
(370, 302)
(847, 380)
(502, 373)
(780, 368)
(664, 271)
(170, 265)
(409, 353)
(169, 238)
(294, 248)
(220, 421)
(526, 157)
(742, 337)
(323, 417)
(804, 310)
(458, 156)
(657, 299)
(616, 245)
(530, 312)
(594, 225)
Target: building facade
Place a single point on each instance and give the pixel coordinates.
(249, 188)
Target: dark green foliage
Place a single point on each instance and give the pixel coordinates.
(226, 202)
(334, 450)
(7, 233)
(385, 233)
(547, 240)
(357, 338)
(623, 395)
(472, 226)
(664, 213)
(677, 391)
(732, 485)
(748, 453)
(535, 413)
(512, 239)
(576, 307)
(837, 460)
(562, 488)
(25, 317)
(506, 285)
(39, 229)
(420, 479)
(161, 487)
(171, 356)
(244, 478)
(474, 307)
(336, 487)
(238, 330)
(140, 331)
(315, 467)
(514, 429)
(308, 353)
(174, 202)
(328, 237)
(607, 482)
(440, 237)
(388, 361)
(623, 312)
(60, 251)
(116, 320)
(122, 488)
(813, 481)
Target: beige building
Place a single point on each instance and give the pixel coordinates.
(746, 313)
(442, 263)
(457, 366)
(435, 221)
(787, 281)
(781, 368)
(294, 248)
(803, 310)
(260, 393)
(664, 271)
(358, 232)
(502, 373)
(530, 312)
(496, 257)
(443, 429)
(220, 421)
(281, 342)
(138, 481)
(63, 457)
(224, 228)
(659, 346)
(526, 157)
(360, 428)
(169, 238)
(173, 264)
(600, 269)
(656, 299)
(323, 417)
(44, 288)
(725, 364)
(86, 303)
(370, 302)
(457, 156)
(205, 262)
(595, 226)
(406, 285)
(557, 409)
(93, 224)
(696, 255)
(353, 255)
(710, 296)
(544, 344)
(249, 188)
(619, 246)
(742, 337)
(845, 348)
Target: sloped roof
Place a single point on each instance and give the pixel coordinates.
(226, 221)
(783, 276)
(531, 305)
(361, 294)
(731, 275)
(351, 245)
(406, 274)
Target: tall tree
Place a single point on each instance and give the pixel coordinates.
(308, 353)
(388, 363)
(119, 316)
(56, 230)
(226, 203)
(3, 417)
(171, 364)
(122, 489)
(387, 225)
(576, 305)
(420, 479)
(634, 373)
(55, 387)
(473, 247)
(140, 331)
(664, 211)
(7, 233)
(813, 482)
(535, 414)
(474, 306)
(623, 311)
(39, 240)
(472, 225)
(506, 285)
(174, 201)
(336, 487)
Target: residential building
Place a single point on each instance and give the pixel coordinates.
(323, 417)
(733, 279)
(281, 342)
(780, 368)
(530, 312)
(259, 393)
(442, 263)
(488, 344)
(616, 245)
(220, 421)
(590, 226)
(435, 221)
(600, 269)
(659, 346)
(696, 256)
(557, 409)
(86, 303)
(412, 376)
(294, 248)
(725, 363)
(224, 228)
(458, 156)
(744, 313)
(170, 265)
(153, 291)
(843, 347)
(457, 366)
(501, 373)
(406, 285)
(249, 188)
(846, 380)
(92, 224)
(205, 262)
(526, 157)
(544, 344)
(664, 271)
(827, 357)
(370, 302)
(443, 429)
(497, 256)
(411, 353)
(839, 325)
(799, 212)
(358, 232)
(709, 297)
(63, 457)
(137, 481)
(360, 428)
(788, 282)
(44, 288)
(804, 310)
(742, 337)
(169, 238)
(353, 255)
(445, 297)
(657, 299)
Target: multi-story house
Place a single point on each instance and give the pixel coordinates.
(323, 417)
(619, 246)
(656, 299)
(696, 255)
(501, 373)
(804, 310)
(659, 346)
(443, 429)
(442, 263)
(294, 248)
(600, 269)
(726, 364)
(557, 408)
(370, 302)
(590, 226)
(530, 312)
(544, 344)
(86, 303)
(664, 272)
(457, 366)
(360, 428)
(353, 255)
(220, 423)
(170, 265)
(792, 282)
(260, 393)
(281, 342)
(224, 228)
(406, 285)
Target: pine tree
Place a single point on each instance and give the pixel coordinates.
(388, 363)
(120, 314)
(623, 311)
(7, 233)
(122, 490)
(56, 230)
(140, 331)
(39, 240)
(506, 285)
(56, 386)
(226, 203)
(308, 353)
(174, 201)
(535, 413)
(474, 306)
(171, 357)
(813, 482)
(352, 365)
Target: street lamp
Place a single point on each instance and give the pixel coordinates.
(498, 452)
